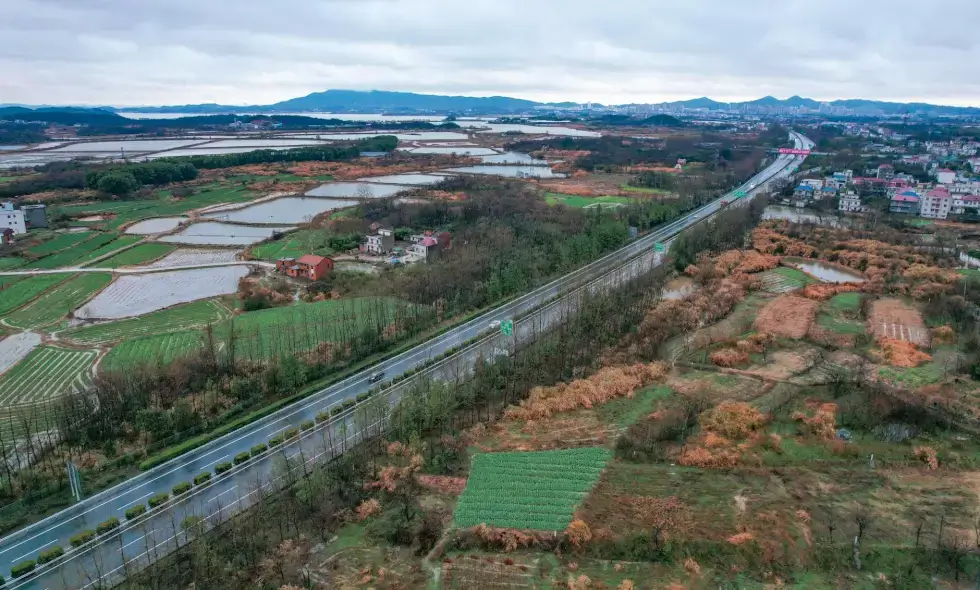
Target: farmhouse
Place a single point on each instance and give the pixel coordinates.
(307, 266)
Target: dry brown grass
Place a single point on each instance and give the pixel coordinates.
(788, 316)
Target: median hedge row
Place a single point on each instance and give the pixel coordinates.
(81, 538)
(155, 501)
(135, 511)
(242, 457)
(105, 527)
(24, 567)
(202, 478)
(181, 488)
(221, 468)
(50, 554)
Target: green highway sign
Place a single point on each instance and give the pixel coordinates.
(507, 327)
(739, 193)
(658, 247)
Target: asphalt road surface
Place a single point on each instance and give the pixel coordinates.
(109, 558)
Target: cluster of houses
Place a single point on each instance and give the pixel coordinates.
(950, 193)
(15, 221)
(381, 243)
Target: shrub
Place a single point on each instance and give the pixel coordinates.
(291, 433)
(181, 488)
(361, 397)
(222, 467)
(308, 425)
(81, 538)
(242, 458)
(24, 567)
(135, 511)
(322, 417)
(275, 441)
(336, 411)
(259, 449)
(348, 404)
(155, 501)
(202, 478)
(733, 420)
(50, 554)
(105, 527)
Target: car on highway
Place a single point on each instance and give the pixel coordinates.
(375, 377)
(495, 325)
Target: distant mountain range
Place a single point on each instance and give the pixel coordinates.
(380, 101)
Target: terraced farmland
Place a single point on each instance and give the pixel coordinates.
(21, 291)
(152, 350)
(47, 373)
(120, 242)
(294, 245)
(72, 255)
(783, 279)
(9, 262)
(137, 255)
(59, 301)
(60, 242)
(537, 491)
(174, 319)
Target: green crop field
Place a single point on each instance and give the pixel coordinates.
(60, 242)
(537, 491)
(644, 190)
(20, 292)
(580, 202)
(294, 245)
(175, 319)
(137, 255)
(56, 303)
(46, 373)
(72, 255)
(9, 262)
(120, 242)
(152, 350)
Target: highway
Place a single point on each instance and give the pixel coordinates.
(110, 557)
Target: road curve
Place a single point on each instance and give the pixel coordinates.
(110, 557)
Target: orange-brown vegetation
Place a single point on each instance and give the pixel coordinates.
(675, 316)
(729, 357)
(443, 484)
(824, 291)
(722, 428)
(606, 384)
(741, 538)
(621, 514)
(768, 241)
(738, 262)
(943, 335)
(927, 455)
(406, 463)
(578, 533)
(732, 420)
(505, 539)
(692, 567)
(900, 353)
(821, 422)
(368, 508)
(788, 316)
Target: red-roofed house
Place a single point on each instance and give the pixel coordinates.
(308, 266)
(905, 202)
(964, 201)
(936, 203)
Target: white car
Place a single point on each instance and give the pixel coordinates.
(495, 325)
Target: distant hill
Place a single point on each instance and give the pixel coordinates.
(382, 101)
(63, 115)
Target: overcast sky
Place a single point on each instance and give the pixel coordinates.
(154, 52)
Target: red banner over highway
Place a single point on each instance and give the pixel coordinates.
(794, 151)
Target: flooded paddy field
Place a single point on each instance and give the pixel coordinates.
(459, 151)
(191, 256)
(155, 226)
(222, 234)
(284, 210)
(356, 190)
(134, 295)
(408, 178)
(509, 171)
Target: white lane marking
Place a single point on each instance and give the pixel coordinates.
(38, 550)
(221, 494)
(137, 500)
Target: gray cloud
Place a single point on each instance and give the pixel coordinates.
(127, 52)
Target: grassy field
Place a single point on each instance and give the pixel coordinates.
(783, 279)
(580, 202)
(48, 372)
(294, 245)
(22, 291)
(175, 319)
(73, 255)
(61, 242)
(9, 262)
(644, 190)
(536, 490)
(840, 314)
(119, 242)
(137, 255)
(152, 350)
(58, 302)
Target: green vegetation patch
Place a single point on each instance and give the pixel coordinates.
(152, 350)
(538, 490)
(625, 411)
(645, 190)
(20, 292)
(58, 302)
(9, 262)
(581, 202)
(175, 319)
(120, 242)
(46, 373)
(60, 242)
(783, 279)
(930, 373)
(138, 255)
(840, 314)
(294, 245)
(846, 302)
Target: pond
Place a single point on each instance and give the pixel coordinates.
(513, 158)
(827, 273)
(155, 226)
(284, 210)
(409, 178)
(140, 145)
(509, 171)
(459, 151)
(222, 234)
(356, 190)
(260, 143)
(679, 288)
